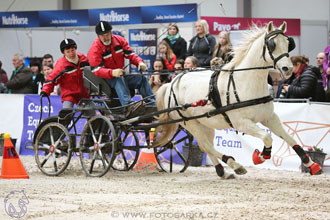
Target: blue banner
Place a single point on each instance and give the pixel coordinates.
(63, 18)
(144, 44)
(116, 16)
(19, 19)
(31, 116)
(169, 13)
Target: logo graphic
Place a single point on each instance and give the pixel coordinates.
(15, 204)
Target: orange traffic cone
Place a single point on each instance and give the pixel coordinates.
(12, 167)
(147, 157)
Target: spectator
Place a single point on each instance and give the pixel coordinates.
(305, 59)
(157, 81)
(67, 74)
(37, 77)
(191, 62)
(3, 80)
(106, 56)
(305, 83)
(47, 58)
(21, 80)
(202, 45)
(47, 69)
(176, 42)
(223, 48)
(3, 74)
(166, 53)
(319, 61)
(178, 66)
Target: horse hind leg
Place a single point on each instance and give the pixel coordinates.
(275, 125)
(204, 137)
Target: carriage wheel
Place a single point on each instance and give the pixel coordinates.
(128, 151)
(97, 146)
(53, 149)
(172, 157)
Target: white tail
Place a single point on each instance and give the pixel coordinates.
(164, 132)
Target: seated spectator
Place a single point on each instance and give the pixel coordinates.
(166, 53)
(37, 78)
(190, 62)
(47, 69)
(319, 61)
(156, 81)
(176, 42)
(224, 47)
(305, 83)
(202, 45)
(3, 80)
(305, 59)
(3, 74)
(178, 66)
(21, 80)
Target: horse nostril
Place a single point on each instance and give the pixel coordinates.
(285, 69)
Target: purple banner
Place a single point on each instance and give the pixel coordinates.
(31, 116)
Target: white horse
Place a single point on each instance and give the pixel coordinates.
(262, 47)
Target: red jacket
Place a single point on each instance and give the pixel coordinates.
(70, 78)
(103, 59)
(170, 62)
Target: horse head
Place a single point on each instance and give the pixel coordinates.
(278, 46)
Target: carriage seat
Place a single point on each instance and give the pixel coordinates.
(99, 87)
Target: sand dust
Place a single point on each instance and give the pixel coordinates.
(197, 193)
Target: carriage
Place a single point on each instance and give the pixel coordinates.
(108, 139)
(239, 100)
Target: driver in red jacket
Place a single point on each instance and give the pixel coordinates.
(106, 57)
(68, 73)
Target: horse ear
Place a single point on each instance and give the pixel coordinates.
(270, 27)
(283, 27)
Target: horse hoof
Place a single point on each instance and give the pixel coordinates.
(256, 157)
(227, 176)
(240, 171)
(315, 169)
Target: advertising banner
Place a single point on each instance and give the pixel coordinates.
(169, 13)
(144, 44)
(63, 18)
(19, 19)
(116, 16)
(307, 123)
(218, 24)
(31, 116)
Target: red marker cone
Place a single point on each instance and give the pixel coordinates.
(12, 167)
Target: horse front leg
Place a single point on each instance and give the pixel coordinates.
(275, 125)
(249, 127)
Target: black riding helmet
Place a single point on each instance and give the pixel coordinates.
(103, 27)
(67, 43)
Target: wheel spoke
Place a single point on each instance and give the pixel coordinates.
(45, 160)
(179, 154)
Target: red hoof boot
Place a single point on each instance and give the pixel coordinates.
(315, 169)
(256, 157)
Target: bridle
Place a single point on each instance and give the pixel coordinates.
(270, 45)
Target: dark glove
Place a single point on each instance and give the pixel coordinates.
(42, 93)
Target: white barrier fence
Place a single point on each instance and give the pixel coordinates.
(308, 123)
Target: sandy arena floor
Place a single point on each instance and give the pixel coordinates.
(197, 193)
